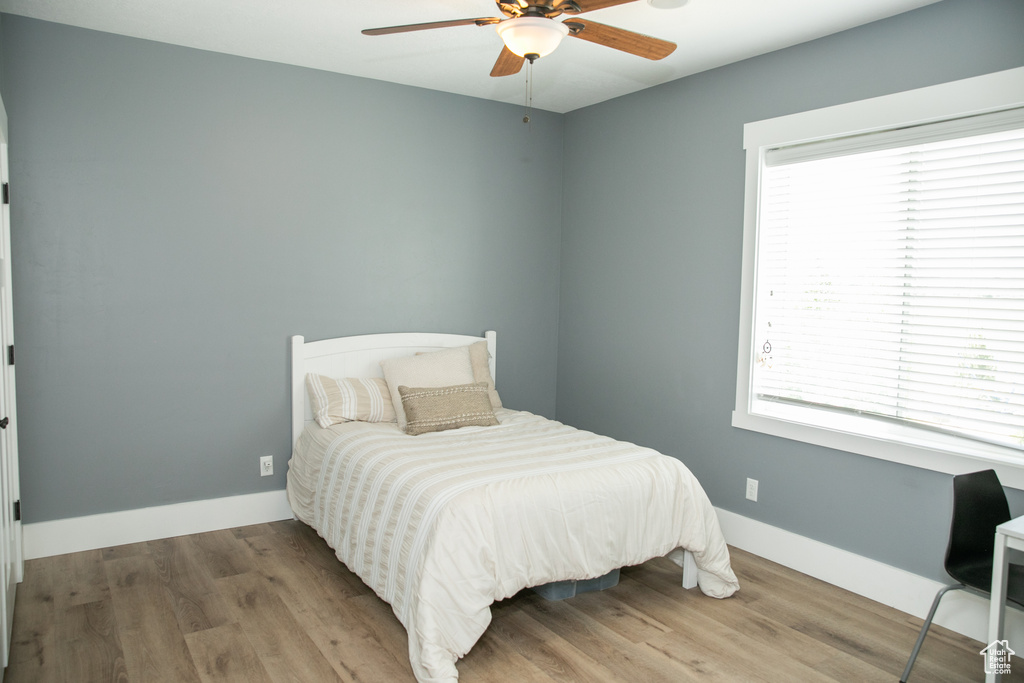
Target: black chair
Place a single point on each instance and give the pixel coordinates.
(979, 506)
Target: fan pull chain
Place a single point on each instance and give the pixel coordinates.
(529, 88)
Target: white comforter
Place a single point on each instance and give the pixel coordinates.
(442, 525)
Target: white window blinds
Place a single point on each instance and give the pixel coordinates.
(890, 278)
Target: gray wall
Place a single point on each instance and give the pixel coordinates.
(651, 251)
(179, 214)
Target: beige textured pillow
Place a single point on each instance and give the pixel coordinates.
(443, 368)
(436, 409)
(344, 400)
(480, 360)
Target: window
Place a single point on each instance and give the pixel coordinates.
(883, 286)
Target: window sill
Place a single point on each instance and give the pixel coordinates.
(937, 452)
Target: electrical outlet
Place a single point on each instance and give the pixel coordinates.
(266, 465)
(752, 489)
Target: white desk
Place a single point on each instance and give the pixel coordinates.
(1008, 535)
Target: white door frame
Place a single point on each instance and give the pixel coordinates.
(11, 547)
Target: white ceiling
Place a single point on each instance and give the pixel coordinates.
(325, 34)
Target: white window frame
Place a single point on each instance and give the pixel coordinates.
(982, 94)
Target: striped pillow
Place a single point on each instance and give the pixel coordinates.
(436, 409)
(366, 399)
(480, 359)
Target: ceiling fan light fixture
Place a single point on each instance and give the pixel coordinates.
(531, 35)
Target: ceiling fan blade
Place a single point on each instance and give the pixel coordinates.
(591, 5)
(621, 39)
(484, 21)
(508, 63)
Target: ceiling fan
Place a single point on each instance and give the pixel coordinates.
(529, 31)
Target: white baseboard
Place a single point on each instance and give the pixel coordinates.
(959, 611)
(57, 537)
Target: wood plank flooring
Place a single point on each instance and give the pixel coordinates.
(271, 603)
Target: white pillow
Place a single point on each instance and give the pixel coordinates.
(443, 368)
(480, 359)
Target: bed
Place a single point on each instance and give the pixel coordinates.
(445, 522)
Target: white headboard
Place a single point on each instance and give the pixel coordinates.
(360, 357)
